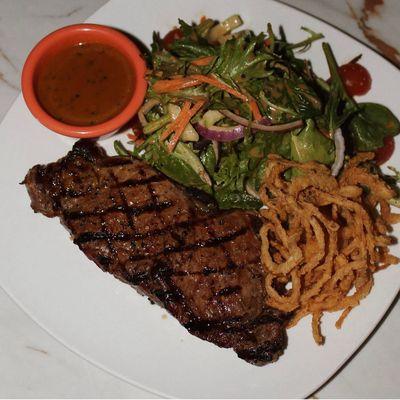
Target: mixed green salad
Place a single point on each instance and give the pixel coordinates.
(219, 102)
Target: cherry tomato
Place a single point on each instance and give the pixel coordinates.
(385, 152)
(356, 79)
(267, 42)
(171, 36)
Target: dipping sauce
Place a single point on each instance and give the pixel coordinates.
(85, 84)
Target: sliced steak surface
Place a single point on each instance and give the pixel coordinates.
(201, 264)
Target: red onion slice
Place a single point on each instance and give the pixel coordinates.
(262, 127)
(265, 121)
(339, 152)
(220, 133)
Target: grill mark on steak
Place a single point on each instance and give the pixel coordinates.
(218, 241)
(123, 197)
(102, 221)
(128, 183)
(230, 269)
(128, 210)
(123, 236)
(173, 293)
(201, 264)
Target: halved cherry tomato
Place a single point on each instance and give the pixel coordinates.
(356, 79)
(385, 152)
(171, 36)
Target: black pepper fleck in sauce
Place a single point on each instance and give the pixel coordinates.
(85, 84)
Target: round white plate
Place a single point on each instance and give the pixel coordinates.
(108, 323)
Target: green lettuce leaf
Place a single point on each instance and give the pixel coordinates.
(182, 165)
(371, 125)
(311, 145)
(230, 181)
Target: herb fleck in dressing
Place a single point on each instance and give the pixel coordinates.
(85, 84)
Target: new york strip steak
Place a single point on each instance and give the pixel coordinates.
(201, 264)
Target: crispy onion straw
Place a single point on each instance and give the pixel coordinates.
(323, 237)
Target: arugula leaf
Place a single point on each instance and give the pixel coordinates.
(196, 31)
(290, 98)
(339, 105)
(232, 172)
(237, 58)
(186, 49)
(311, 145)
(193, 44)
(220, 101)
(157, 44)
(305, 44)
(209, 159)
(285, 49)
(169, 65)
(186, 29)
(369, 127)
(303, 98)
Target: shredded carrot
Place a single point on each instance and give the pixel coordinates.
(170, 85)
(255, 110)
(173, 126)
(203, 18)
(170, 128)
(223, 86)
(135, 139)
(203, 61)
(186, 117)
(139, 142)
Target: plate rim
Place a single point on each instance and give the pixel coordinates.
(337, 368)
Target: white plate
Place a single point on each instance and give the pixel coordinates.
(104, 320)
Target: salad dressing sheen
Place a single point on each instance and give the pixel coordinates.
(85, 84)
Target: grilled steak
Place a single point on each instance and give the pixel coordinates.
(201, 264)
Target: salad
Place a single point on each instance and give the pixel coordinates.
(220, 100)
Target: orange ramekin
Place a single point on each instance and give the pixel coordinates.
(71, 35)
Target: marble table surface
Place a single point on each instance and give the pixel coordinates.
(32, 363)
